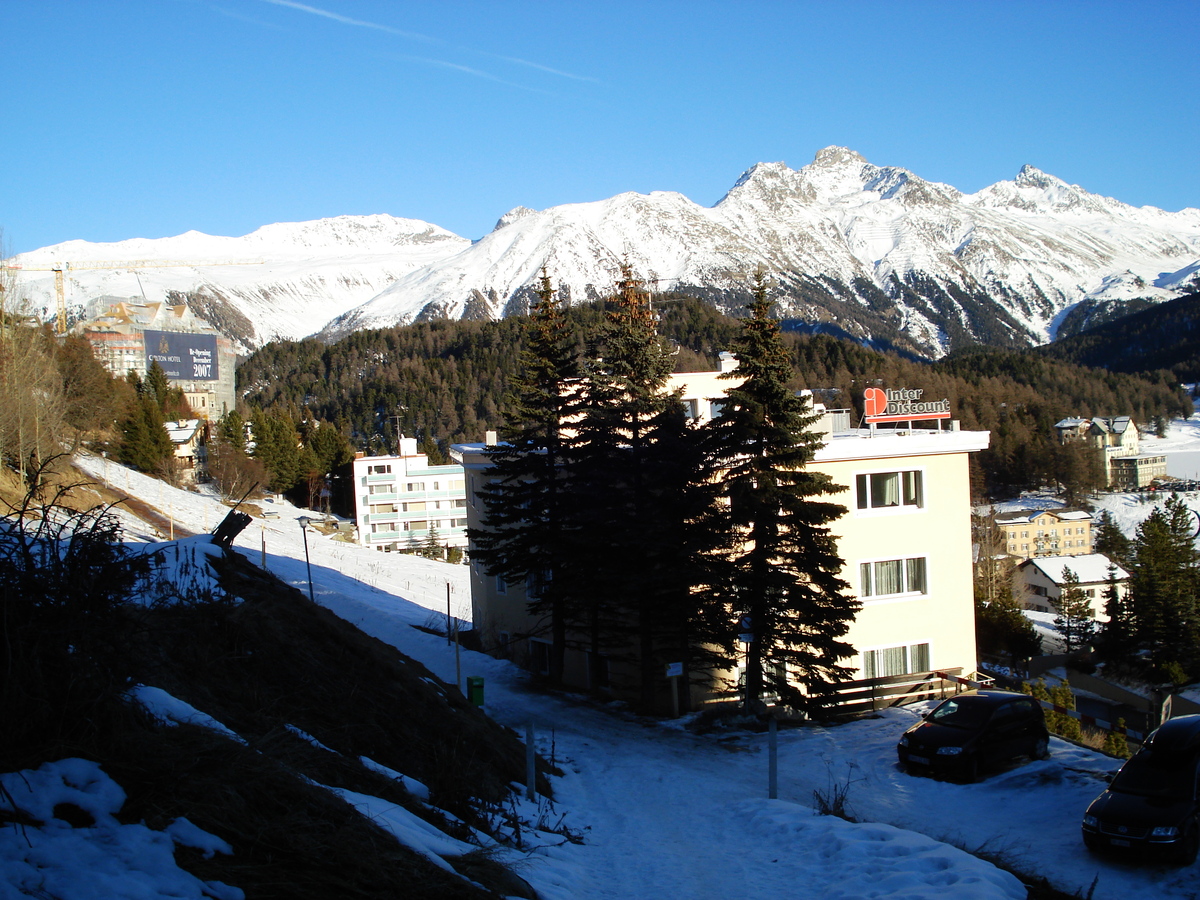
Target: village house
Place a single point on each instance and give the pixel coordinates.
(905, 540)
(1125, 468)
(401, 500)
(1046, 532)
(1038, 583)
(187, 436)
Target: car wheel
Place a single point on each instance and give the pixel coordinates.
(1041, 748)
(970, 770)
(1189, 847)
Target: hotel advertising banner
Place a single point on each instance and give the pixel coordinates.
(184, 357)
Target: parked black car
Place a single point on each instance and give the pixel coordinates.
(1153, 803)
(974, 731)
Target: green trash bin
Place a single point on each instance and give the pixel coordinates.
(475, 690)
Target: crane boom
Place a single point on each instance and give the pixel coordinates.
(60, 270)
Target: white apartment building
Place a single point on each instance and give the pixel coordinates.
(399, 500)
(905, 539)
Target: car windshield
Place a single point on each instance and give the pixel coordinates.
(962, 712)
(1151, 774)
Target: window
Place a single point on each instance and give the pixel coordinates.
(501, 585)
(379, 470)
(691, 409)
(414, 486)
(890, 490)
(895, 661)
(381, 489)
(891, 577)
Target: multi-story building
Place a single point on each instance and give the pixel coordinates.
(1038, 583)
(1128, 473)
(400, 501)
(126, 335)
(1046, 532)
(905, 539)
(1117, 438)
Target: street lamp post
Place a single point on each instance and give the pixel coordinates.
(305, 521)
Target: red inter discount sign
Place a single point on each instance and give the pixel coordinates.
(875, 401)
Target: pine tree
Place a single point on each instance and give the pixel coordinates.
(1065, 724)
(1163, 585)
(639, 466)
(157, 385)
(145, 443)
(1001, 627)
(785, 575)
(1111, 541)
(529, 527)
(1115, 742)
(277, 446)
(1117, 638)
(1075, 620)
(231, 431)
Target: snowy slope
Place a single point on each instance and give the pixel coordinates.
(287, 278)
(839, 226)
(665, 813)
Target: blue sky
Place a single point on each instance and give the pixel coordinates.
(147, 118)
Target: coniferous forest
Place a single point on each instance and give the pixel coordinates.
(446, 382)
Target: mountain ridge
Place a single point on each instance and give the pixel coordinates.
(872, 252)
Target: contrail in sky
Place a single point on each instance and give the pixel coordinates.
(426, 39)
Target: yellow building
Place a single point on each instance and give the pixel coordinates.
(1046, 532)
(905, 540)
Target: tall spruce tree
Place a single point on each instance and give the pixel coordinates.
(1163, 585)
(1117, 638)
(529, 525)
(1111, 540)
(784, 569)
(1074, 621)
(638, 469)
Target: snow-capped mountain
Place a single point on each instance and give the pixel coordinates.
(872, 252)
(876, 253)
(281, 281)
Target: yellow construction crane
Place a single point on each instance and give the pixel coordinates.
(60, 270)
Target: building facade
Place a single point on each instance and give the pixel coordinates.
(1046, 532)
(401, 501)
(1130, 473)
(1125, 469)
(1038, 583)
(127, 336)
(905, 540)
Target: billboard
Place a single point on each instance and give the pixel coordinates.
(184, 357)
(903, 405)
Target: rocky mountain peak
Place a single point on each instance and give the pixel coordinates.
(517, 212)
(1031, 176)
(837, 157)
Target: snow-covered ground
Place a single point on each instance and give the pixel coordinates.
(662, 812)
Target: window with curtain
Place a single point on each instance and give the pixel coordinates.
(902, 660)
(890, 490)
(890, 577)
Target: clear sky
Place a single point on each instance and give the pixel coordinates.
(148, 118)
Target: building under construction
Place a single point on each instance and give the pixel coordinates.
(129, 335)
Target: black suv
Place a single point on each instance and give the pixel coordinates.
(974, 731)
(1153, 803)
